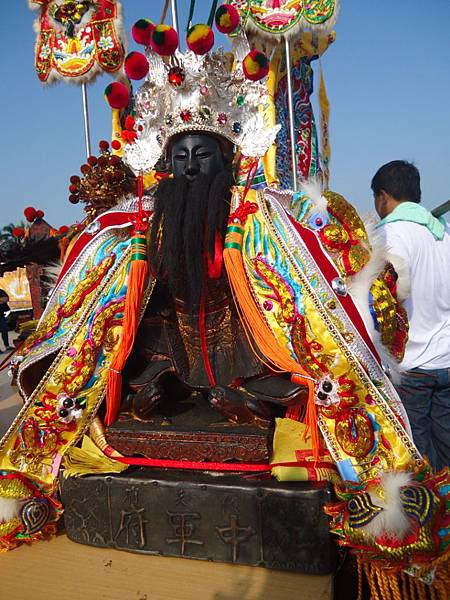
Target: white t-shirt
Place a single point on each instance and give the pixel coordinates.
(428, 304)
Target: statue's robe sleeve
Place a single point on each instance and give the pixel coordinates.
(299, 260)
(65, 362)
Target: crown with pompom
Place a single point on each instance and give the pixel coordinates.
(210, 93)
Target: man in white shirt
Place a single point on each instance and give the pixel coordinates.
(419, 247)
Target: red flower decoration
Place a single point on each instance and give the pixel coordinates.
(128, 136)
(18, 232)
(30, 214)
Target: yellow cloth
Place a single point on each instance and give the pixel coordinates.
(290, 444)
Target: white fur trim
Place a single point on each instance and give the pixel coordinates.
(313, 189)
(9, 509)
(392, 521)
(359, 286)
(402, 270)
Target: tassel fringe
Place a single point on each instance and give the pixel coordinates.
(257, 328)
(385, 584)
(135, 290)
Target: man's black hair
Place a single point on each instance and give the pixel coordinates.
(400, 179)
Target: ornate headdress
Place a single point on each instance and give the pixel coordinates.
(208, 93)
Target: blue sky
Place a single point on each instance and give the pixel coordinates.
(388, 81)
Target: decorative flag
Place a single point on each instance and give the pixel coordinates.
(77, 40)
(324, 131)
(287, 16)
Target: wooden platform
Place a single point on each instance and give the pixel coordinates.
(63, 570)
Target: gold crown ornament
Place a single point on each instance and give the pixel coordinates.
(211, 93)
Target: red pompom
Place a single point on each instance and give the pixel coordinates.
(73, 189)
(142, 31)
(103, 145)
(63, 229)
(164, 40)
(18, 232)
(117, 95)
(30, 214)
(85, 169)
(116, 145)
(136, 65)
(40, 214)
(75, 180)
(200, 38)
(74, 198)
(114, 160)
(92, 160)
(226, 18)
(102, 161)
(255, 65)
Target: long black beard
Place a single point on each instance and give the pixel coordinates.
(187, 217)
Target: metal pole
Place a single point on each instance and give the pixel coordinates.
(173, 7)
(441, 209)
(87, 133)
(290, 99)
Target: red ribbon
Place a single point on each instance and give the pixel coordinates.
(206, 466)
(215, 265)
(204, 346)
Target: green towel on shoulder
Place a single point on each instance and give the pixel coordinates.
(416, 213)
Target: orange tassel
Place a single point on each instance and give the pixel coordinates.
(133, 302)
(258, 329)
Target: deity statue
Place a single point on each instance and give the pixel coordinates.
(191, 328)
(266, 303)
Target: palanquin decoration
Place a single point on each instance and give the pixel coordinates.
(77, 40)
(317, 299)
(281, 18)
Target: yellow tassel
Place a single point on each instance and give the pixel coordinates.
(89, 459)
(387, 584)
(257, 328)
(133, 302)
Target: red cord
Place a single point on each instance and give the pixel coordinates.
(204, 346)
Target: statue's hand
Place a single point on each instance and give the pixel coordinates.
(239, 406)
(145, 402)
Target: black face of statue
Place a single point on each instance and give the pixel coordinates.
(193, 154)
(191, 212)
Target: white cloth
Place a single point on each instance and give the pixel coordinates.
(428, 304)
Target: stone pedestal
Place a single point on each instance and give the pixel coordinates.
(227, 518)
